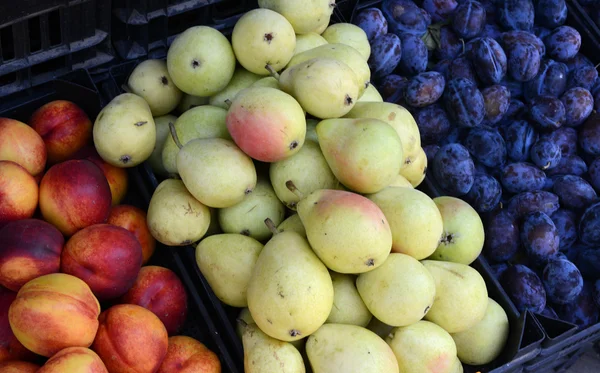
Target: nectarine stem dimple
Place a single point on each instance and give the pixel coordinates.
(174, 135)
(271, 71)
(292, 187)
(269, 223)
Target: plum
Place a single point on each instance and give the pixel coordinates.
(578, 61)
(562, 280)
(583, 76)
(519, 136)
(424, 89)
(455, 136)
(469, 19)
(516, 14)
(502, 238)
(372, 22)
(545, 153)
(579, 104)
(523, 62)
(569, 164)
(589, 225)
(492, 31)
(404, 16)
(464, 102)
(414, 54)
(566, 226)
(522, 177)
(461, 67)
(453, 169)
(386, 51)
(485, 194)
(496, 100)
(439, 10)
(594, 174)
(498, 269)
(515, 87)
(587, 259)
(448, 44)
(565, 138)
(550, 13)
(589, 135)
(574, 192)
(433, 124)
(390, 85)
(524, 288)
(515, 111)
(431, 151)
(539, 237)
(512, 38)
(547, 112)
(486, 146)
(583, 311)
(526, 203)
(563, 43)
(551, 80)
(489, 60)
(541, 31)
(549, 312)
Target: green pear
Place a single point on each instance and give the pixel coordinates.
(484, 341)
(349, 34)
(263, 354)
(423, 347)
(348, 307)
(189, 102)
(380, 328)
(175, 217)
(290, 293)
(262, 38)
(336, 90)
(400, 181)
(308, 41)
(245, 316)
(227, 261)
(349, 349)
(400, 292)
(241, 79)
(414, 218)
(347, 231)
(311, 130)
(371, 94)
(248, 216)
(202, 122)
(162, 134)
(294, 224)
(307, 169)
(364, 154)
(201, 61)
(215, 171)
(305, 16)
(343, 53)
(396, 116)
(462, 240)
(151, 81)
(457, 366)
(267, 81)
(461, 297)
(267, 124)
(124, 131)
(415, 171)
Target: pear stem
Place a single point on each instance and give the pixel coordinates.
(292, 187)
(242, 322)
(228, 102)
(126, 88)
(269, 223)
(271, 71)
(174, 135)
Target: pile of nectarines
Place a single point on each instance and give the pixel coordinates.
(76, 294)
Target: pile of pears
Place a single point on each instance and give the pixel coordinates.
(296, 184)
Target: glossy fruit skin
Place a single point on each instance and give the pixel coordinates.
(372, 22)
(433, 123)
(486, 146)
(469, 19)
(563, 43)
(496, 100)
(562, 280)
(516, 14)
(539, 237)
(551, 80)
(424, 89)
(524, 288)
(501, 236)
(464, 102)
(489, 60)
(547, 112)
(579, 104)
(453, 169)
(545, 153)
(519, 136)
(386, 51)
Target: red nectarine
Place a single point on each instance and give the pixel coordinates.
(134, 220)
(21, 144)
(18, 192)
(187, 355)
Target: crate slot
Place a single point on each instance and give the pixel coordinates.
(35, 34)
(6, 41)
(54, 28)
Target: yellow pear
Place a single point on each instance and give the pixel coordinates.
(162, 135)
(151, 81)
(267, 81)
(294, 224)
(263, 354)
(415, 171)
(241, 79)
(348, 307)
(308, 41)
(400, 181)
(246, 317)
(189, 102)
(305, 16)
(349, 34)
(371, 94)
(311, 130)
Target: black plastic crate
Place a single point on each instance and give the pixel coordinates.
(43, 39)
(579, 18)
(79, 88)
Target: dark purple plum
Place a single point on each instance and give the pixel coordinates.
(512, 38)
(524, 288)
(461, 67)
(424, 89)
(486, 146)
(498, 269)
(516, 14)
(372, 21)
(550, 13)
(433, 124)
(522, 177)
(502, 238)
(492, 31)
(587, 259)
(453, 169)
(589, 135)
(589, 225)
(578, 61)
(386, 51)
(455, 136)
(516, 109)
(549, 184)
(430, 152)
(496, 100)
(594, 174)
(547, 112)
(566, 226)
(390, 85)
(562, 280)
(515, 87)
(523, 61)
(448, 45)
(563, 43)
(596, 293)
(439, 10)
(464, 102)
(489, 60)
(549, 312)
(569, 165)
(443, 67)
(404, 16)
(579, 104)
(565, 138)
(574, 192)
(519, 137)
(539, 237)
(597, 101)
(545, 153)
(541, 32)
(529, 202)
(414, 54)
(584, 77)
(551, 80)
(469, 19)
(485, 194)
(582, 312)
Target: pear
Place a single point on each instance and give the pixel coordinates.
(214, 227)
(162, 134)
(347, 231)
(245, 316)
(364, 154)
(349, 34)
(215, 171)
(201, 61)
(381, 329)
(305, 16)
(311, 130)
(333, 96)
(203, 122)
(175, 217)
(267, 81)
(241, 79)
(348, 307)
(188, 102)
(349, 349)
(307, 169)
(415, 170)
(267, 124)
(371, 94)
(227, 262)
(400, 181)
(343, 53)
(423, 347)
(263, 354)
(483, 342)
(124, 131)
(457, 366)
(461, 297)
(248, 216)
(308, 41)
(463, 237)
(414, 218)
(400, 292)
(396, 116)
(261, 38)
(294, 224)
(151, 81)
(290, 293)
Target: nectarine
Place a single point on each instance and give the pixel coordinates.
(134, 220)
(16, 366)
(21, 144)
(187, 355)
(10, 347)
(74, 360)
(18, 192)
